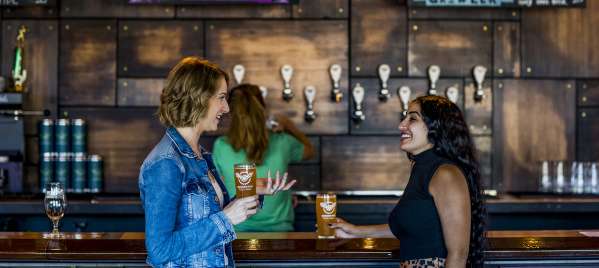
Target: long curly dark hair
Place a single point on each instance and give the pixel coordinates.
(450, 135)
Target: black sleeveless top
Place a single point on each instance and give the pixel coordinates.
(414, 220)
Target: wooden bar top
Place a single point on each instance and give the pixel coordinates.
(291, 246)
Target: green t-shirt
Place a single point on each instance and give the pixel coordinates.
(277, 215)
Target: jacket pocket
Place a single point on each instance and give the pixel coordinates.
(196, 201)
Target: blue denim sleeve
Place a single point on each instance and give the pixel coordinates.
(162, 182)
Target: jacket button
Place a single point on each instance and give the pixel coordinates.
(216, 198)
(217, 251)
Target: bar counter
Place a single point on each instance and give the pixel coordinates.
(556, 248)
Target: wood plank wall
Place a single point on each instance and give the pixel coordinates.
(107, 63)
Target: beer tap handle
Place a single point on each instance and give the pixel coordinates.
(433, 73)
(404, 93)
(335, 71)
(479, 77)
(238, 72)
(310, 93)
(286, 72)
(263, 91)
(384, 71)
(452, 94)
(358, 94)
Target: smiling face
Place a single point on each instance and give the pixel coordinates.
(218, 107)
(414, 133)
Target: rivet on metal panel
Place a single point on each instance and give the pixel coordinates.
(65, 113)
(341, 10)
(357, 68)
(340, 26)
(108, 27)
(500, 28)
(283, 10)
(415, 27)
(528, 70)
(299, 10)
(66, 9)
(125, 84)
(126, 27)
(166, 10)
(415, 69)
(500, 70)
(124, 99)
(584, 114)
(584, 86)
(50, 11)
(106, 97)
(514, 13)
(67, 27)
(513, 28)
(484, 127)
(569, 85)
(125, 68)
(399, 69)
(584, 99)
(195, 28)
(485, 28)
(182, 9)
(414, 11)
(211, 27)
(8, 27)
(500, 85)
(50, 28)
(8, 10)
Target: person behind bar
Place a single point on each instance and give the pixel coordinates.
(441, 219)
(189, 215)
(249, 140)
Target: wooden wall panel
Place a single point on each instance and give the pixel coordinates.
(111, 9)
(321, 9)
(30, 12)
(139, 91)
(124, 138)
(479, 115)
(315, 140)
(534, 120)
(587, 93)
(485, 153)
(506, 49)
(310, 47)
(560, 42)
(448, 13)
(384, 117)
(87, 62)
(307, 176)
(151, 48)
(40, 59)
(235, 12)
(378, 36)
(587, 133)
(455, 46)
(363, 163)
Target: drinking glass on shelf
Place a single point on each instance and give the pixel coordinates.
(55, 203)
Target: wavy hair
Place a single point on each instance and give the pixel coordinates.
(450, 135)
(248, 122)
(185, 98)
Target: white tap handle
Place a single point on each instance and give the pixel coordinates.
(433, 73)
(452, 94)
(404, 93)
(384, 71)
(479, 75)
(310, 93)
(286, 72)
(358, 93)
(263, 91)
(238, 72)
(335, 71)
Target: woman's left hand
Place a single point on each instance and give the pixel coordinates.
(265, 186)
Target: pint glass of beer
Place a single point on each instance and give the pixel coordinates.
(326, 211)
(245, 179)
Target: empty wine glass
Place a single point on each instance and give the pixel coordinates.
(55, 203)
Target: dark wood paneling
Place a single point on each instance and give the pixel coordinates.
(560, 42)
(235, 12)
(112, 9)
(31, 12)
(151, 48)
(363, 163)
(124, 138)
(87, 62)
(588, 131)
(310, 47)
(321, 9)
(378, 36)
(506, 49)
(315, 140)
(384, 117)
(587, 93)
(455, 46)
(448, 13)
(307, 176)
(485, 153)
(40, 59)
(534, 120)
(139, 91)
(479, 115)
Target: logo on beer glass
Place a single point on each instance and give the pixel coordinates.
(244, 177)
(328, 207)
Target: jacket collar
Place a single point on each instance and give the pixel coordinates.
(182, 145)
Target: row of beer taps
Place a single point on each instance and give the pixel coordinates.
(358, 92)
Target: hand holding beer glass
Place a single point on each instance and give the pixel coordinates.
(245, 180)
(326, 211)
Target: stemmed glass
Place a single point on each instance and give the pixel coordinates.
(55, 203)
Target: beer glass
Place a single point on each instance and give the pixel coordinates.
(245, 179)
(55, 203)
(326, 211)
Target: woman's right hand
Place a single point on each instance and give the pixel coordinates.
(241, 209)
(345, 229)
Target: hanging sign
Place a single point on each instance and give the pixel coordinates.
(497, 3)
(28, 3)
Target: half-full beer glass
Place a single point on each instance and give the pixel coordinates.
(326, 212)
(245, 179)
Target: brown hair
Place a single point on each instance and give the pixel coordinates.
(189, 87)
(248, 122)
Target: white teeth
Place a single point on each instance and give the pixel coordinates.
(218, 117)
(405, 135)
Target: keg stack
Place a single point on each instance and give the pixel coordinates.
(64, 158)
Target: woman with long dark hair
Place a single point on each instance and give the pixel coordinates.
(441, 219)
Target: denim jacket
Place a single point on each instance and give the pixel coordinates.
(185, 226)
